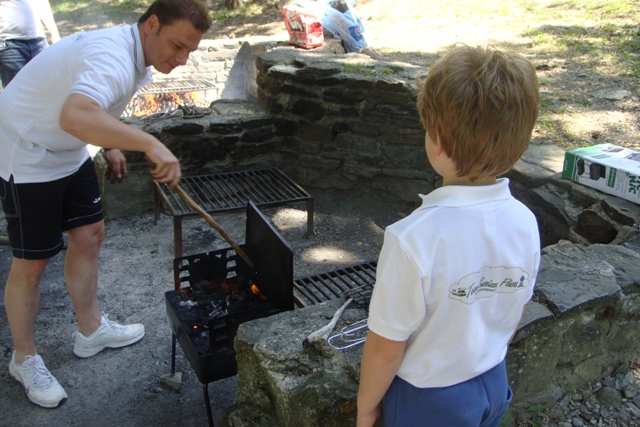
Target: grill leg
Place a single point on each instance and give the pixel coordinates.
(207, 403)
(173, 353)
(177, 236)
(310, 212)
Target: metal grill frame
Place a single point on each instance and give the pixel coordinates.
(283, 191)
(176, 86)
(322, 287)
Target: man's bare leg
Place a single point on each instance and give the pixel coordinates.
(81, 274)
(22, 299)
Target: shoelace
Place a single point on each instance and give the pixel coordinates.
(110, 324)
(41, 377)
(118, 328)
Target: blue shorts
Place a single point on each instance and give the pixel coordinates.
(480, 401)
(14, 54)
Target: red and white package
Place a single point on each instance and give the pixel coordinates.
(303, 26)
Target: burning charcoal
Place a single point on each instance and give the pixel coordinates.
(255, 290)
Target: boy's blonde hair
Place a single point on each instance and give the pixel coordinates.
(481, 105)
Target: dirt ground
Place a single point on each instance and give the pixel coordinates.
(121, 387)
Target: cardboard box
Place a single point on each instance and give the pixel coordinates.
(606, 167)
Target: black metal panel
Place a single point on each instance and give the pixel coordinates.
(273, 259)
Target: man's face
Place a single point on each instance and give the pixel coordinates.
(168, 46)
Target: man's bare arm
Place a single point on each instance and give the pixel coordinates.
(83, 118)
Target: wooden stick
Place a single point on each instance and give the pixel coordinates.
(196, 207)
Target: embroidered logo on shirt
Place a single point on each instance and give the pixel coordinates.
(488, 282)
(97, 200)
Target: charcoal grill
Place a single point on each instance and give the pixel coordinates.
(177, 86)
(214, 298)
(206, 333)
(230, 191)
(163, 96)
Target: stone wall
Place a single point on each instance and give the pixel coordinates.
(231, 135)
(349, 120)
(583, 322)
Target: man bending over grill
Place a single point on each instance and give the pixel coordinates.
(70, 95)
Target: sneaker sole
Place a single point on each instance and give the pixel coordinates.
(83, 354)
(42, 405)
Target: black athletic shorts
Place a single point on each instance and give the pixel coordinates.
(38, 213)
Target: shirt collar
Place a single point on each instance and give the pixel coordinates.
(138, 54)
(466, 195)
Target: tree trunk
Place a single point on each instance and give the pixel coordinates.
(233, 4)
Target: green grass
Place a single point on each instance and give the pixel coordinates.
(122, 6)
(222, 15)
(591, 32)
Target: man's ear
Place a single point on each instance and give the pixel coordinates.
(151, 25)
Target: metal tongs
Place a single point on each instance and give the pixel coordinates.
(349, 336)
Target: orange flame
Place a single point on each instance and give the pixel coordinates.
(255, 290)
(150, 103)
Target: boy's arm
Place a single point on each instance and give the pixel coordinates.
(381, 360)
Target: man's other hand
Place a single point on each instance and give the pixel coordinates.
(117, 165)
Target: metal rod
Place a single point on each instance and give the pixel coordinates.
(207, 403)
(246, 187)
(173, 354)
(193, 205)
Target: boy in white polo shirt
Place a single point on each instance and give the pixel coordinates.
(453, 277)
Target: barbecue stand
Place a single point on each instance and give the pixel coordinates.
(229, 192)
(207, 339)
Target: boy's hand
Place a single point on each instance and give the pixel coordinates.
(368, 419)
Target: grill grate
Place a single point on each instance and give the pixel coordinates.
(176, 86)
(228, 191)
(356, 282)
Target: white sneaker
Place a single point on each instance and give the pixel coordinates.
(108, 335)
(41, 387)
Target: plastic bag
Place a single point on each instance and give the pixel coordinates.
(340, 20)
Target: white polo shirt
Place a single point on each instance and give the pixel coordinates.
(105, 65)
(453, 278)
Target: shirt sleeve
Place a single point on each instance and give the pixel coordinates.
(103, 75)
(397, 305)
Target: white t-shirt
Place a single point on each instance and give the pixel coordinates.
(105, 65)
(19, 20)
(453, 278)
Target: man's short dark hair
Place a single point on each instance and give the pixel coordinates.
(169, 11)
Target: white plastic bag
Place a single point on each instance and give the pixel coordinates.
(344, 24)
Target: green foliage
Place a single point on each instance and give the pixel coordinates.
(223, 15)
